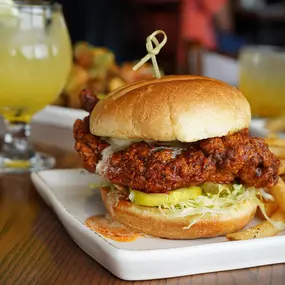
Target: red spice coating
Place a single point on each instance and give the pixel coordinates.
(153, 169)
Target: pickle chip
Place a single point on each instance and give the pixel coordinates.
(172, 198)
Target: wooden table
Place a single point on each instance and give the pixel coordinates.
(35, 248)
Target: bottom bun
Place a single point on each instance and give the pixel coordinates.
(151, 221)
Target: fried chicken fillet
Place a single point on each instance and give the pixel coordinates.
(152, 168)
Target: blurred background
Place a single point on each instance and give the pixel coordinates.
(206, 37)
(238, 41)
(220, 25)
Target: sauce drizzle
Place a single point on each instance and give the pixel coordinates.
(109, 228)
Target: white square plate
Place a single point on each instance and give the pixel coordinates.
(69, 194)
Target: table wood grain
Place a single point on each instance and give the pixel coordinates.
(35, 248)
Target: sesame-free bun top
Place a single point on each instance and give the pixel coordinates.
(178, 107)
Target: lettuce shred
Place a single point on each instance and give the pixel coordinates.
(218, 199)
(102, 184)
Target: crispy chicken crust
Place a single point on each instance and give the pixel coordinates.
(89, 147)
(88, 100)
(154, 168)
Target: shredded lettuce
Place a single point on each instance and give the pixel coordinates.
(99, 185)
(218, 199)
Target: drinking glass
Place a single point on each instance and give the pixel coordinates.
(262, 79)
(35, 60)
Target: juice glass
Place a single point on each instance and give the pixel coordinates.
(35, 60)
(262, 79)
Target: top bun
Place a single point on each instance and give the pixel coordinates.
(178, 107)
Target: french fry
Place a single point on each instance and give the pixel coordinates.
(277, 146)
(283, 177)
(275, 125)
(278, 192)
(270, 209)
(275, 141)
(282, 167)
(278, 151)
(264, 229)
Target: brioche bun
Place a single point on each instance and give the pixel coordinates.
(150, 221)
(180, 107)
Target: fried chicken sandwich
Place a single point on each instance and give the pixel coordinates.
(177, 155)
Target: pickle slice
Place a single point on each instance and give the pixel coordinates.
(172, 198)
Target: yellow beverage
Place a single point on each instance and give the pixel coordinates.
(262, 80)
(35, 60)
